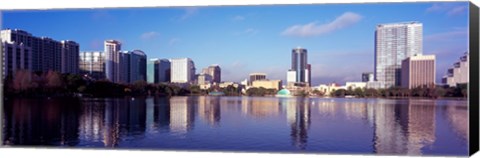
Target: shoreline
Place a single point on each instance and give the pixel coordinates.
(195, 95)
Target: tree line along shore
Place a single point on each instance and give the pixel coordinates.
(55, 84)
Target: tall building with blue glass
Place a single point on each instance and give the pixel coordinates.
(158, 70)
(300, 71)
(137, 69)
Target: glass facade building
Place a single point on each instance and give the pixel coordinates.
(112, 60)
(92, 64)
(299, 64)
(394, 43)
(158, 70)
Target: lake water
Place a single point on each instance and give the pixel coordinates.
(253, 124)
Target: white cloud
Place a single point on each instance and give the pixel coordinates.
(173, 41)
(238, 18)
(250, 31)
(456, 10)
(189, 12)
(149, 35)
(452, 35)
(313, 29)
(448, 8)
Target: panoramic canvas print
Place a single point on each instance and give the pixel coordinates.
(372, 78)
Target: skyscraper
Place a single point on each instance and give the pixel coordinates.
(112, 60)
(214, 71)
(300, 68)
(158, 70)
(92, 64)
(418, 70)
(70, 54)
(182, 70)
(47, 54)
(299, 63)
(137, 66)
(394, 43)
(16, 56)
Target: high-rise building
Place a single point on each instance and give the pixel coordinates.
(394, 43)
(92, 64)
(418, 70)
(367, 77)
(299, 63)
(70, 54)
(16, 56)
(291, 76)
(203, 79)
(158, 70)
(215, 72)
(182, 70)
(47, 54)
(137, 66)
(308, 78)
(112, 60)
(300, 72)
(458, 74)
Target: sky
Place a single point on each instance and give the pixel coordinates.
(247, 39)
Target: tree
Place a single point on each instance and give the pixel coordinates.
(317, 92)
(194, 89)
(339, 93)
(370, 92)
(53, 80)
(359, 92)
(22, 80)
(139, 87)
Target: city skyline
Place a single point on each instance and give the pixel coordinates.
(238, 34)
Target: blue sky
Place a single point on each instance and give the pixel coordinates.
(247, 39)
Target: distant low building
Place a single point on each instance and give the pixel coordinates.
(256, 76)
(458, 74)
(268, 84)
(327, 89)
(367, 77)
(226, 84)
(354, 85)
(375, 85)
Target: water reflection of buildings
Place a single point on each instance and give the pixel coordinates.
(123, 118)
(261, 107)
(41, 122)
(181, 114)
(403, 127)
(112, 119)
(161, 112)
(356, 110)
(298, 117)
(327, 108)
(457, 116)
(209, 109)
(91, 120)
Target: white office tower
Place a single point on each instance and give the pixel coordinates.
(394, 43)
(112, 60)
(182, 70)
